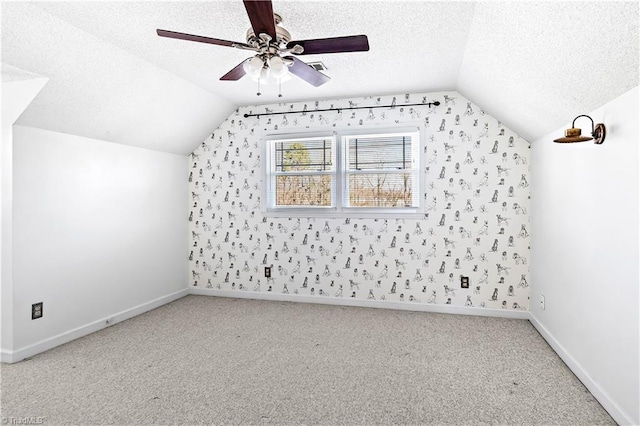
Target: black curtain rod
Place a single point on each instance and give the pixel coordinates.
(436, 103)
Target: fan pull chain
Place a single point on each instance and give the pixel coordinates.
(258, 88)
(279, 87)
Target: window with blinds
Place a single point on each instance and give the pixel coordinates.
(341, 174)
(303, 173)
(381, 170)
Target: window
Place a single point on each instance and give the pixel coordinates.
(344, 174)
(381, 170)
(303, 173)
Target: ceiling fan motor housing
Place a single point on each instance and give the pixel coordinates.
(282, 35)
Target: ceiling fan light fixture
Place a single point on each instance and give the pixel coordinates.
(278, 67)
(265, 74)
(253, 67)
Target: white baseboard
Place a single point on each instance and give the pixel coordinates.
(619, 415)
(60, 339)
(347, 301)
(6, 356)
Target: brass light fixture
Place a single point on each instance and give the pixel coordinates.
(598, 133)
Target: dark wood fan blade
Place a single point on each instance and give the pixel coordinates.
(201, 39)
(307, 72)
(356, 43)
(261, 17)
(236, 73)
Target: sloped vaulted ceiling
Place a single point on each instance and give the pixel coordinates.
(534, 65)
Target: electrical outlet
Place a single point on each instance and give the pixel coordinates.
(267, 271)
(542, 302)
(464, 282)
(36, 310)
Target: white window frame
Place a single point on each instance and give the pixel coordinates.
(345, 172)
(340, 181)
(271, 174)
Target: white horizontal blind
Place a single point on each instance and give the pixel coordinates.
(302, 173)
(381, 171)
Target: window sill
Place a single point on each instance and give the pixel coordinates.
(353, 214)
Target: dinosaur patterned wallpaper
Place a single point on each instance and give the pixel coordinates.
(475, 223)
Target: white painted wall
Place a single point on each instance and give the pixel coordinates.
(98, 229)
(585, 257)
(16, 96)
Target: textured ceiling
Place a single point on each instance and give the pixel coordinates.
(533, 65)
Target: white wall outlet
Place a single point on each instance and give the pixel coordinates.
(542, 302)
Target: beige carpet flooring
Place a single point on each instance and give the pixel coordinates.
(207, 360)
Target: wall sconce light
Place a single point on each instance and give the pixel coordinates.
(598, 133)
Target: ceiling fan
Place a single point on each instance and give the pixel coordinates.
(273, 46)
